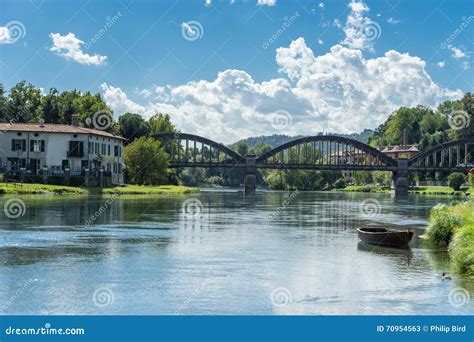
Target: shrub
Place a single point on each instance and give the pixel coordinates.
(456, 180)
(462, 250)
(443, 222)
(340, 183)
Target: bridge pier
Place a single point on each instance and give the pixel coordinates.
(250, 179)
(400, 179)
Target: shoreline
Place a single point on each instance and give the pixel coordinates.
(421, 190)
(49, 189)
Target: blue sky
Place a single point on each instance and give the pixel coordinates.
(214, 66)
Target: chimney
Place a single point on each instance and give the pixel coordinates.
(75, 119)
(405, 137)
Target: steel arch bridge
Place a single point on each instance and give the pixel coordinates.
(320, 152)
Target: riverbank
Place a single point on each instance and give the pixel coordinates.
(48, 189)
(420, 190)
(452, 228)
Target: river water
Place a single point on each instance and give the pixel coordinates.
(273, 253)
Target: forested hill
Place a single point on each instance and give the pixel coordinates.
(279, 139)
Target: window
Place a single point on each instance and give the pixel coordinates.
(65, 164)
(37, 146)
(108, 150)
(103, 149)
(90, 147)
(84, 164)
(18, 145)
(96, 148)
(116, 151)
(76, 149)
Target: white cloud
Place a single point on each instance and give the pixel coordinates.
(322, 5)
(360, 30)
(320, 42)
(118, 100)
(441, 64)
(340, 91)
(208, 3)
(392, 21)
(457, 52)
(266, 2)
(69, 47)
(5, 36)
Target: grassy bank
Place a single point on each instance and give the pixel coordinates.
(452, 228)
(47, 189)
(425, 190)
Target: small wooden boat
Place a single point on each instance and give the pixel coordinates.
(385, 237)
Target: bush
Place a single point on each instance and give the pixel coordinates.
(443, 223)
(340, 183)
(456, 180)
(462, 250)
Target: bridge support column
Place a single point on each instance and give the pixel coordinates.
(400, 179)
(250, 179)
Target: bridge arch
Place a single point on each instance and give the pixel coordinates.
(186, 152)
(452, 155)
(326, 151)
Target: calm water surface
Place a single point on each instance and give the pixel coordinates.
(263, 255)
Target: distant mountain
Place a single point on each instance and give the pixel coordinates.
(280, 139)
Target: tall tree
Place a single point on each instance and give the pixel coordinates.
(132, 126)
(24, 103)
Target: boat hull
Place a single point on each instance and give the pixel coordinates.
(385, 237)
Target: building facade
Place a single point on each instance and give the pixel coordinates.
(60, 150)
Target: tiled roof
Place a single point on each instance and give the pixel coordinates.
(54, 128)
(399, 148)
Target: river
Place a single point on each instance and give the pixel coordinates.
(273, 253)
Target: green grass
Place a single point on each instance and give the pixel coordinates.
(453, 227)
(145, 190)
(439, 190)
(44, 189)
(365, 188)
(27, 188)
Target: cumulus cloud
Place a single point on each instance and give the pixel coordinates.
(5, 35)
(266, 2)
(340, 91)
(441, 64)
(457, 52)
(69, 47)
(361, 32)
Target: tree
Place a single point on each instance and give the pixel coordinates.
(23, 104)
(161, 123)
(132, 126)
(51, 107)
(241, 148)
(456, 180)
(146, 162)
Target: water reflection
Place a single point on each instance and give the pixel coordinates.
(227, 260)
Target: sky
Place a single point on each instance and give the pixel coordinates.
(228, 69)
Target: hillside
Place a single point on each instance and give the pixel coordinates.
(279, 139)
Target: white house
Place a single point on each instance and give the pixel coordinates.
(54, 148)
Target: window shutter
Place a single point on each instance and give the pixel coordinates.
(42, 145)
(13, 144)
(24, 145)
